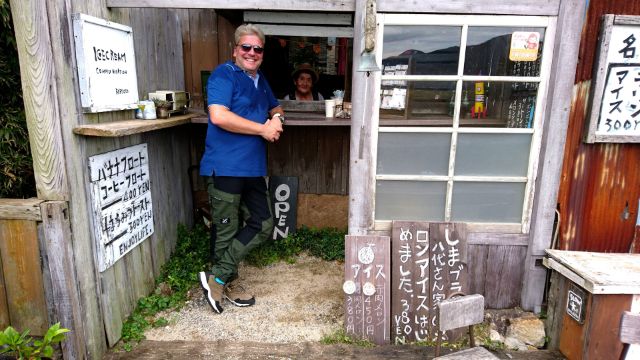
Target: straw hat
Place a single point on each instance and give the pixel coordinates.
(305, 68)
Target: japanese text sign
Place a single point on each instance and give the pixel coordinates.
(429, 264)
(121, 202)
(367, 288)
(615, 111)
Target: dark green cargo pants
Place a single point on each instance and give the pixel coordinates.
(241, 219)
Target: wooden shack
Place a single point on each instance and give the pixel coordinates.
(465, 121)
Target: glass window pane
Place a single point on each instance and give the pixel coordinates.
(492, 154)
(498, 104)
(430, 102)
(413, 153)
(410, 200)
(489, 51)
(420, 50)
(487, 202)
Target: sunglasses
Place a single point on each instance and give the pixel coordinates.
(247, 48)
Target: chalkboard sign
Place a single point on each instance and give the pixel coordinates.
(615, 108)
(121, 202)
(429, 265)
(106, 64)
(367, 288)
(284, 200)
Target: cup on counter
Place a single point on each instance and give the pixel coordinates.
(329, 107)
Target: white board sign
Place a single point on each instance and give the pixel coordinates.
(106, 64)
(121, 202)
(615, 109)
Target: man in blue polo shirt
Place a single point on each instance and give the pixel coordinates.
(243, 115)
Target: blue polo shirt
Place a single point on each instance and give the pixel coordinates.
(231, 154)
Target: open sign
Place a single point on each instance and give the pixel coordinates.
(284, 200)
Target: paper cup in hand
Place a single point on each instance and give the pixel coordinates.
(329, 106)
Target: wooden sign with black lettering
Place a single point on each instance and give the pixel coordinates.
(448, 268)
(284, 202)
(410, 303)
(429, 264)
(367, 288)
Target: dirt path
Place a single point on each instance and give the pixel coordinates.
(297, 304)
(230, 350)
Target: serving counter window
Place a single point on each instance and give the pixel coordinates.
(459, 117)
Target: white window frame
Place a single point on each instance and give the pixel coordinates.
(549, 23)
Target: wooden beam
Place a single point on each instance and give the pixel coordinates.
(495, 7)
(20, 209)
(40, 98)
(365, 99)
(270, 17)
(307, 5)
(556, 119)
(57, 233)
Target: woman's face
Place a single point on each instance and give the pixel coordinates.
(304, 83)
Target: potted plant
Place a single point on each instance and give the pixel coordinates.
(162, 108)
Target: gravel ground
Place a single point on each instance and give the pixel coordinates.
(297, 302)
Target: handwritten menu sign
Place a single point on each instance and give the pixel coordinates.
(411, 300)
(106, 64)
(121, 202)
(615, 111)
(429, 265)
(367, 288)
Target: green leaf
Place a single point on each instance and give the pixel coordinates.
(48, 351)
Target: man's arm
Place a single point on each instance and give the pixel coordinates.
(224, 118)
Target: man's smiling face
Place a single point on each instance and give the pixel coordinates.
(248, 61)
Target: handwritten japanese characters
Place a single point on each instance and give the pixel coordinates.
(367, 288)
(616, 104)
(429, 264)
(121, 202)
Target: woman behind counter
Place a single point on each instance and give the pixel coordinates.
(304, 78)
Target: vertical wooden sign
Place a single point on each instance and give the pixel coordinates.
(448, 268)
(367, 288)
(284, 202)
(410, 303)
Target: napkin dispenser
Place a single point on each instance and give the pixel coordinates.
(179, 99)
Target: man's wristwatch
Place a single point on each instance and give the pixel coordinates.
(280, 116)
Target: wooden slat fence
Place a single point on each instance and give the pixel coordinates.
(22, 291)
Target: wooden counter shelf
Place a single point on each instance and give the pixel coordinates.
(295, 119)
(130, 127)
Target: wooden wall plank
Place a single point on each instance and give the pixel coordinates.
(305, 160)
(4, 307)
(24, 209)
(329, 168)
(477, 257)
(556, 302)
(57, 237)
(21, 263)
(203, 45)
(504, 276)
(630, 328)
(40, 96)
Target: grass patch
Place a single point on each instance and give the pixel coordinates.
(191, 256)
(178, 275)
(341, 337)
(325, 243)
